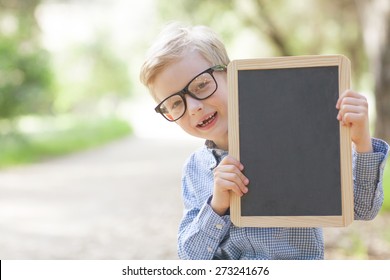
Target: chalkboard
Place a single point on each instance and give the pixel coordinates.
(283, 128)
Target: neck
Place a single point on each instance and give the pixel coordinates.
(223, 145)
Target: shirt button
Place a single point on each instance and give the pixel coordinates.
(209, 249)
(219, 226)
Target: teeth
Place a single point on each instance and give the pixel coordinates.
(206, 121)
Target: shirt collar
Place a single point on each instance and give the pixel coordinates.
(218, 154)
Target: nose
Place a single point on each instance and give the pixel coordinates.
(193, 105)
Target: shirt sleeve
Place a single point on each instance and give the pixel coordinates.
(201, 229)
(200, 233)
(368, 171)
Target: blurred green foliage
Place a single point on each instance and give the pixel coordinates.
(386, 187)
(89, 73)
(67, 134)
(36, 82)
(26, 80)
(278, 27)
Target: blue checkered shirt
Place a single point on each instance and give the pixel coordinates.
(205, 235)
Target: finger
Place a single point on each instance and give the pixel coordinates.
(354, 101)
(340, 99)
(238, 191)
(229, 160)
(346, 108)
(351, 94)
(352, 118)
(239, 180)
(354, 109)
(232, 173)
(226, 179)
(226, 175)
(224, 184)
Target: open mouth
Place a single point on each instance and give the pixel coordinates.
(207, 121)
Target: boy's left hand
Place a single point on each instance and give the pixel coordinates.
(353, 112)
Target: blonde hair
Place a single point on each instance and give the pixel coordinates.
(173, 43)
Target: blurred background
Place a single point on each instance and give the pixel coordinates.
(89, 171)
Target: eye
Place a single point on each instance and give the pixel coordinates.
(164, 109)
(200, 85)
(203, 84)
(176, 104)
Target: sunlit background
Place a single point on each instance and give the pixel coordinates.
(88, 170)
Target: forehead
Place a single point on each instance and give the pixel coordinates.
(175, 76)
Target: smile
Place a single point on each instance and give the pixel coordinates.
(207, 121)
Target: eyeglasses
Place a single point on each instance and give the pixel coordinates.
(201, 87)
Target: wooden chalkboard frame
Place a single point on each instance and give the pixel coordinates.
(257, 220)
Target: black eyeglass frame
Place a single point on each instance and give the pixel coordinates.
(185, 91)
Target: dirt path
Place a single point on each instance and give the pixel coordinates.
(118, 202)
(361, 240)
(123, 201)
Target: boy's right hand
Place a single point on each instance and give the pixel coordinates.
(228, 177)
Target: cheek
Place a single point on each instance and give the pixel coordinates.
(220, 101)
(184, 124)
(221, 95)
(190, 131)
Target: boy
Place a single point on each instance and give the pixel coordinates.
(185, 72)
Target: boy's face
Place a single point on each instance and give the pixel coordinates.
(203, 118)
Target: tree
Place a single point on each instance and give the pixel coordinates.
(375, 22)
(25, 74)
(308, 27)
(288, 27)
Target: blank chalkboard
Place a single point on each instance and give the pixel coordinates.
(283, 128)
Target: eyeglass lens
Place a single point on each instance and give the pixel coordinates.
(200, 88)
